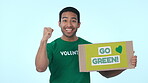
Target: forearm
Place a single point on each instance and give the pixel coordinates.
(110, 73)
(41, 61)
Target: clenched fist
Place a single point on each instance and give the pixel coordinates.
(47, 33)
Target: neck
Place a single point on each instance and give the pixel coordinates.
(71, 39)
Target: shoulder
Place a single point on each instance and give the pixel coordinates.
(53, 42)
(84, 41)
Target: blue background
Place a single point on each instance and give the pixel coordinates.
(21, 29)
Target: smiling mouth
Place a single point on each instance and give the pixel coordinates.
(69, 30)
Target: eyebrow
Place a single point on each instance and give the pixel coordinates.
(64, 17)
(74, 18)
(71, 18)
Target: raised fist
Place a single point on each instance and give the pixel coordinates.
(47, 33)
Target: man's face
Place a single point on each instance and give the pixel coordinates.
(69, 24)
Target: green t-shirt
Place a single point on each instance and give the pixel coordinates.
(63, 62)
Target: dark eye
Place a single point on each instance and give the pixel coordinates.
(73, 20)
(64, 20)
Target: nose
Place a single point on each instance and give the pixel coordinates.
(69, 24)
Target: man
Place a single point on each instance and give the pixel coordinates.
(61, 55)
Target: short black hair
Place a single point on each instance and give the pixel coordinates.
(70, 9)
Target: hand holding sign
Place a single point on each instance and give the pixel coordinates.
(134, 61)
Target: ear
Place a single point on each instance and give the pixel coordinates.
(59, 23)
(78, 25)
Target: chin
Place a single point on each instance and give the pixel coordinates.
(69, 36)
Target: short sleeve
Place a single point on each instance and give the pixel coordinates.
(49, 49)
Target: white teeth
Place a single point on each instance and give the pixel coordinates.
(68, 30)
